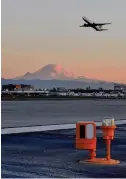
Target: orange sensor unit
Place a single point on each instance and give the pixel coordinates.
(85, 135)
(108, 132)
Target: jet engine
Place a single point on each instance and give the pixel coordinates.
(86, 25)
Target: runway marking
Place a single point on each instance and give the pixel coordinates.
(16, 130)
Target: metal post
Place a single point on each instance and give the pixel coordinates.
(108, 143)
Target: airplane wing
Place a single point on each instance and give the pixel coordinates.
(102, 23)
(103, 29)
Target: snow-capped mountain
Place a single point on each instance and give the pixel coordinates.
(49, 72)
(54, 75)
(55, 72)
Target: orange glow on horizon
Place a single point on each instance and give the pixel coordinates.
(90, 61)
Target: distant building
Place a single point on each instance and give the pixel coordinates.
(9, 87)
(27, 87)
(120, 87)
(61, 89)
(17, 87)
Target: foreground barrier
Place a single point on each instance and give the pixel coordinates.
(86, 139)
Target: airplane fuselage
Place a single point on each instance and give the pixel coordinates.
(97, 28)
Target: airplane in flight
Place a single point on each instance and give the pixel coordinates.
(96, 26)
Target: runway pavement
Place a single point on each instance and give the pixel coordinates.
(53, 154)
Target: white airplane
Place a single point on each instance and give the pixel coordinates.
(96, 26)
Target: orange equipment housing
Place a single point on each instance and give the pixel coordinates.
(108, 135)
(108, 132)
(86, 139)
(83, 140)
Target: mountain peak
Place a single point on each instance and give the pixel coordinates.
(49, 72)
(52, 67)
(57, 72)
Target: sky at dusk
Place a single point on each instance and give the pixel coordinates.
(40, 32)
